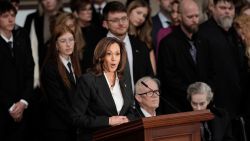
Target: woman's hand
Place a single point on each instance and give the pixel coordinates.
(117, 120)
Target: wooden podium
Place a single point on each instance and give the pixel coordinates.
(173, 127)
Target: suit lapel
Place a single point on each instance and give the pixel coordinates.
(6, 50)
(105, 94)
(126, 101)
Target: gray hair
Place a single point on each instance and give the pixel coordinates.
(199, 88)
(145, 79)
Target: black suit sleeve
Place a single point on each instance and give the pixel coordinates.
(167, 70)
(28, 71)
(82, 105)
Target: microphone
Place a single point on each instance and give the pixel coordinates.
(165, 100)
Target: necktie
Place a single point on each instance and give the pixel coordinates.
(193, 51)
(71, 75)
(11, 48)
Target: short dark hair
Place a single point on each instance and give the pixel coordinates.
(113, 6)
(230, 1)
(78, 5)
(6, 6)
(100, 52)
(16, 1)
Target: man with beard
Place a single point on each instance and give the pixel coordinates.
(183, 59)
(227, 56)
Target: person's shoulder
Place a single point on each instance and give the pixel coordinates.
(88, 76)
(219, 112)
(32, 15)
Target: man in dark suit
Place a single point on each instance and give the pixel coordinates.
(16, 75)
(227, 56)
(183, 59)
(161, 19)
(116, 21)
(200, 97)
(147, 95)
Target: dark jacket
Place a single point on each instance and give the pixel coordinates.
(94, 104)
(60, 98)
(227, 57)
(177, 70)
(16, 76)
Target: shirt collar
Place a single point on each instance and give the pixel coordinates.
(96, 6)
(163, 18)
(146, 114)
(65, 61)
(6, 39)
(112, 35)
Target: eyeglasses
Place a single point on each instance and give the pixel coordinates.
(151, 93)
(64, 41)
(119, 20)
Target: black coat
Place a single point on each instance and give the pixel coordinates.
(38, 24)
(220, 126)
(58, 116)
(177, 70)
(16, 77)
(94, 104)
(157, 25)
(228, 65)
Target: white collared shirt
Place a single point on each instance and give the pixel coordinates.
(7, 40)
(116, 93)
(96, 6)
(146, 114)
(164, 20)
(65, 63)
(129, 51)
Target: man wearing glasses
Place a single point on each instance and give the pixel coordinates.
(138, 62)
(147, 97)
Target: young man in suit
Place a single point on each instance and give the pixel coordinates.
(183, 58)
(147, 95)
(16, 75)
(116, 22)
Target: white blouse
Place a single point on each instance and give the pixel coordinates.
(116, 93)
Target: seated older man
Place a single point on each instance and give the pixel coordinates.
(147, 96)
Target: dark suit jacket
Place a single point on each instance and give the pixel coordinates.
(157, 25)
(16, 76)
(177, 70)
(228, 64)
(141, 61)
(94, 104)
(60, 99)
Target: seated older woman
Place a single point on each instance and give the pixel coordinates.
(219, 129)
(147, 96)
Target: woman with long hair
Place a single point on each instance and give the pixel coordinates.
(59, 79)
(140, 25)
